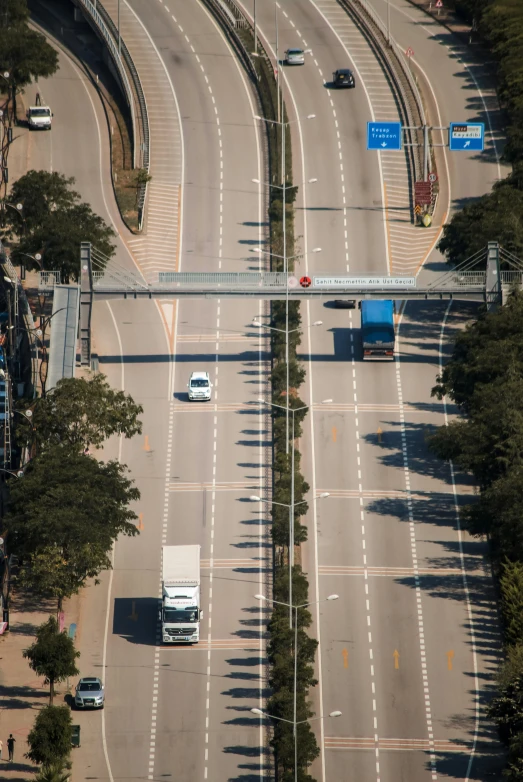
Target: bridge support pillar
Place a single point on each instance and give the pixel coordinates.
(86, 303)
(493, 281)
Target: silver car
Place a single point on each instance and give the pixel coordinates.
(89, 693)
(295, 57)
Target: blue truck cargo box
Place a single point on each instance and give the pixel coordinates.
(377, 329)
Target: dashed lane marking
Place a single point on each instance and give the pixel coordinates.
(404, 259)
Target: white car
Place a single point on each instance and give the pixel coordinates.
(295, 57)
(199, 387)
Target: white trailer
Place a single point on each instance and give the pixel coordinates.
(180, 611)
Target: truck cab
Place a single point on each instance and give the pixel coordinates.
(180, 615)
(39, 117)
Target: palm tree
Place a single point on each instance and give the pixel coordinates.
(53, 773)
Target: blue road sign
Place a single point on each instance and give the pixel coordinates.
(384, 135)
(466, 136)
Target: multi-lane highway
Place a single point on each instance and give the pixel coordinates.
(401, 648)
(401, 652)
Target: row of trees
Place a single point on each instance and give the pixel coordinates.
(68, 508)
(281, 651)
(485, 379)
(53, 222)
(64, 515)
(497, 215)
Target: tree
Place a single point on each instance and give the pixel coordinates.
(499, 515)
(69, 504)
(79, 413)
(13, 13)
(50, 737)
(495, 217)
(511, 583)
(491, 440)
(489, 348)
(59, 237)
(40, 193)
(52, 655)
(25, 55)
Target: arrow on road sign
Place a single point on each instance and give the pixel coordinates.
(396, 656)
(383, 143)
(466, 144)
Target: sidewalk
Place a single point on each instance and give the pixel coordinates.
(22, 693)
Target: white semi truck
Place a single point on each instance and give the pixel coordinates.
(180, 613)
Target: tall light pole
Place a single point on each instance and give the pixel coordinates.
(284, 126)
(294, 722)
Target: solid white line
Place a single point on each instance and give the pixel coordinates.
(463, 567)
(111, 573)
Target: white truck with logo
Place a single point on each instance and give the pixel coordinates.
(180, 613)
(39, 117)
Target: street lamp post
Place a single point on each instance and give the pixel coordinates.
(294, 721)
(291, 507)
(284, 126)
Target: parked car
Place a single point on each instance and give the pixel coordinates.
(199, 387)
(343, 77)
(294, 57)
(89, 693)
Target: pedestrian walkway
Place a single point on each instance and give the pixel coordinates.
(22, 693)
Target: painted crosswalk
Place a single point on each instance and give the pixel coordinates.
(391, 572)
(371, 494)
(405, 745)
(232, 644)
(232, 564)
(210, 486)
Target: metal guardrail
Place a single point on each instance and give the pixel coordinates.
(399, 72)
(141, 140)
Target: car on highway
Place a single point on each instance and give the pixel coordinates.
(294, 57)
(345, 304)
(89, 693)
(343, 77)
(199, 387)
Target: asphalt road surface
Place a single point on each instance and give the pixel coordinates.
(405, 652)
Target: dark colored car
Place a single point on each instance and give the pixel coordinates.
(343, 77)
(345, 304)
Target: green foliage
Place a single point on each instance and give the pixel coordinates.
(511, 583)
(52, 655)
(59, 238)
(54, 773)
(25, 54)
(13, 13)
(71, 505)
(489, 348)
(495, 217)
(79, 413)
(41, 193)
(50, 737)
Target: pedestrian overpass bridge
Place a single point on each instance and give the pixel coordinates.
(485, 277)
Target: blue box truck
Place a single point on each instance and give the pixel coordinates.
(377, 329)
